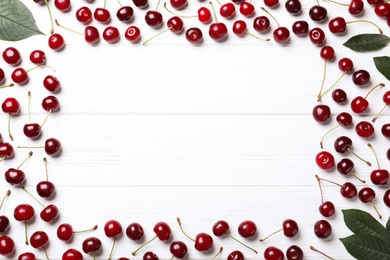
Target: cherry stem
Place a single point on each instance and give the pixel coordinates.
(66, 28)
(380, 112)
(369, 92)
(270, 235)
(318, 251)
(29, 155)
(9, 127)
(376, 156)
(104, 4)
(338, 3)
(182, 230)
(366, 21)
(2, 159)
(44, 121)
(86, 230)
(119, 2)
(227, 234)
(265, 10)
(326, 91)
(45, 251)
(218, 253)
(215, 14)
(182, 16)
(47, 172)
(28, 106)
(377, 212)
(352, 152)
(40, 203)
(112, 249)
(337, 126)
(35, 147)
(7, 86)
(319, 185)
(6, 195)
(219, 2)
(25, 232)
(94, 256)
(322, 83)
(158, 4)
(251, 34)
(51, 17)
(135, 252)
(41, 66)
(321, 179)
(168, 29)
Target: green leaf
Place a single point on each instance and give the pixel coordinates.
(16, 21)
(388, 225)
(363, 247)
(382, 64)
(361, 222)
(367, 42)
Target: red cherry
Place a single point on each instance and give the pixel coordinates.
(356, 7)
(27, 256)
(364, 129)
(112, 228)
(281, 34)
(227, 10)
(382, 10)
(91, 34)
(317, 36)
(327, 209)
(141, 3)
(51, 104)
(321, 113)
(102, 15)
(247, 229)
(133, 33)
(322, 229)
(247, 9)
(294, 252)
(125, 14)
(65, 232)
(386, 198)
(149, 255)
(178, 4)
(273, 253)
(178, 249)
(24, 212)
(194, 35)
(91, 245)
(6, 151)
(204, 15)
(7, 245)
(261, 23)
(111, 34)
(300, 28)
(378, 176)
(361, 77)
(337, 25)
(162, 231)
(153, 18)
(324, 160)
(271, 3)
(62, 5)
(218, 31)
(50, 213)
(360, 104)
(72, 254)
(51, 83)
(134, 231)
(294, 7)
(12, 56)
(84, 15)
(56, 42)
(46, 188)
(386, 100)
(236, 255)
(318, 13)
(203, 242)
(53, 146)
(19, 76)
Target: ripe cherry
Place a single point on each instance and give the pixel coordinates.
(6, 151)
(92, 245)
(217, 30)
(15, 176)
(343, 144)
(162, 231)
(141, 3)
(317, 36)
(345, 166)
(321, 113)
(62, 5)
(7, 245)
(51, 104)
(112, 229)
(65, 231)
(236, 255)
(300, 28)
(347, 190)
(24, 213)
(324, 160)
(360, 104)
(367, 194)
(386, 198)
(294, 252)
(134, 231)
(247, 229)
(273, 253)
(178, 4)
(261, 23)
(84, 15)
(271, 3)
(20, 76)
(178, 249)
(364, 129)
(56, 42)
(149, 255)
(281, 34)
(385, 129)
(382, 9)
(227, 10)
(289, 228)
(247, 9)
(327, 209)
(28, 256)
(102, 15)
(386, 100)
(12, 56)
(72, 254)
(343, 119)
(91, 34)
(111, 34)
(318, 13)
(125, 14)
(361, 77)
(175, 24)
(133, 34)
(378, 176)
(53, 146)
(294, 7)
(322, 229)
(4, 220)
(339, 96)
(46, 189)
(203, 241)
(356, 7)
(51, 83)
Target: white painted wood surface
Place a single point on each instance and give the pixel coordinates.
(216, 131)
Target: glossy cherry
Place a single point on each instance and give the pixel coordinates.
(367, 195)
(111, 34)
(356, 7)
(28, 256)
(289, 228)
(12, 56)
(273, 253)
(15, 176)
(112, 229)
(91, 34)
(24, 213)
(178, 249)
(56, 42)
(364, 129)
(149, 255)
(227, 10)
(72, 254)
(84, 15)
(321, 113)
(247, 8)
(382, 9)
(360, 104)
(327, 209)
(318, 13)
(361, 77)
(153, 18)
(271, 3)
(20, 76)
(339, 96)
(46, 188)
(294, 7)
(194, 35)
(178, 4)
(386, 198)
(300, 28)
(141, 3)
(92, 245)
(261, 23)
(7, 245)
(322, 229)
(51, 83)
(133, 34)
(324, 160)
(378, 176)
(135, 231)
(6, 151)
(163, 232)
(386, 100)
(63, 5)
(294, 252)
(247, 229)
(51, 103)
(203, 241)
(65, 231)
(125, 14)
(235, 255)
(103, 15)
(317, 36)
(385, 130)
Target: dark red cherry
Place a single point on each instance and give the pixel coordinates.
(227, 10)
(6, 151)
(7, 245)
(261, 23)
(153, 18)
(51, 83)
(125, 14)
(72, 254)
(102, 15)
(32, 130)
(84, 15)
(56, 42)
(294, 252)
(194, 35)
(50, 213)
(134, 231)
(19, 76)
(318, 13)
(111, 34)
(51, 104)
(385, 129)
(293, 6)
(386, 198)
(327, 209)
(28, 256)
(178, 249)
(321, 113)
(281, 34)
(365, 129)
(149, 255)
(203, 242)
(322, 229)
(178, 4)
(348, 190)
(247, 228)
(273, 253)
(361, 77)
(38, 57)
(91, 245)
(345, 166)
(271, 3)
(218, 31)
(163, 231)
(356, 7)
(339, 96)
(337, 25)
(317, 36)
(141, 3)
(247, 9)
(91, 34)
(236, 255)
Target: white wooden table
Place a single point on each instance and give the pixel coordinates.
(222, 130)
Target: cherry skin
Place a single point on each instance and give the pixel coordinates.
(112, 228)
(153, 18)
(281, 34)
(321, 113)
(7, 245)
(24, 212)
(218, 31)
(84, 15)
(178, 249)
(318, 13)
(273, 253)
(293, 6)
(290, 227)
(327, 53)
(345, 166)
(261, 23)
(149, 255)
(322, 229)
(236, 255)
(337, 25)
(324, 160)
(27, 256)
(356, 7)
(317, 36)
(15, 177)
(51, 83)
(271, 3)
(56, 42)
(141, 3)
(134, 231)
(300, 28)
(220, 228)
(247, 9)
(294, 252)
(19, 76)
(203, 242)
(12, 56)
(382, 10)
(53, 146)
(62, 5)
(91, 245)
(4, 223)
(32, 130)
(364, 129)
(339, 96)
(345, 65)
(51, 104)
(247, 229)
(46, 189)
(348, 190)
(102, 15)
(204, 15)
(91, 34)
(327, 209)
(359, 104)
(65, 232)
(366, 195)
(386, 198)
(50, 213)
(361, 77)
(239, 27)
(39, 239)
(125, 14)
(6, 151)
(342, 144)
(380, 176)
(227, 10)
(175, 24)
(178, 4)
(385, 130)
(133, 33)
(72, 254)
(162, 231)
(111, 34)
(2, 76)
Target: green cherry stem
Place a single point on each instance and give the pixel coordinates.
(40, 203)
(143, 245)
(366, 21)
(322, 83)
(215, 14)
(7, 86)
(318, 251)
(218, 253)
(182, 16)
(276, 21)
(228, 235)
(182, 230)
(4, 198)
(112, 249)
(51, 17)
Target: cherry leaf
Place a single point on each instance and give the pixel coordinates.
(16, 21)
(382, 64)
(367, 42)
(363, 247)
(361, 222)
